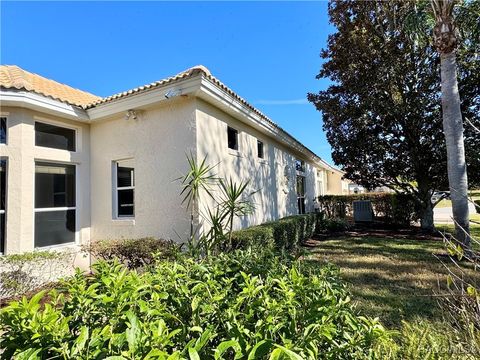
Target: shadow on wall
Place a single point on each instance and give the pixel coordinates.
(274, 196)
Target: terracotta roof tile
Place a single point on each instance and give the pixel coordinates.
(11, 76)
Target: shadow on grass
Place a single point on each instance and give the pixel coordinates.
(394, 280)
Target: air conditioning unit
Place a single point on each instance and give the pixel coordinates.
(362, 211)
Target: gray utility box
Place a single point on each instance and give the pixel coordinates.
(362, 211)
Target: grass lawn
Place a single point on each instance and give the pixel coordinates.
(390, 278)
(475, 195)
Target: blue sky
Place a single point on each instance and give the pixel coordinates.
(268, 52)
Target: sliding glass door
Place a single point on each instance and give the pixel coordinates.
(55, 204)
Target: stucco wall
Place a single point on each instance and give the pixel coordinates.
(273, 178)
(21, 154)
(158, 141)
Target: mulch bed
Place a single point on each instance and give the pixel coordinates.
(49, 286)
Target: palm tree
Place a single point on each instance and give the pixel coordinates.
(445, 36)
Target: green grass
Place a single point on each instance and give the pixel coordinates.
(392, 279)
(474, 194)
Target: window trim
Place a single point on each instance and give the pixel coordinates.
(76, 129)
(237, 142)
(6, 130)
(115, 189)
(65, 208)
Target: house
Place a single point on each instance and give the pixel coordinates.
(76, 167)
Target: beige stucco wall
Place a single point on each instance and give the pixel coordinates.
(158, 142)
(21, 154)
(273, 179)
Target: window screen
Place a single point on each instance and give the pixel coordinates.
(3, 197)
(125, 188)
(232, 138)
(3, 130)
(56, 137)
(260, 149)
(54, 204)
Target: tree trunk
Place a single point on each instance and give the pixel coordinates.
(426, 220)
(453, 130)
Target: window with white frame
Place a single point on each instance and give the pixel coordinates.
(260, 152)
(55, 204)
(53, 136)
(124, 192)
(232, 138)
(3, 202)
(3, 130)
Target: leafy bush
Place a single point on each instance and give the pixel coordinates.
(20, 273)
(285, 233)
(333, 225)
(253, 305)
(133, 253)
(392, 208)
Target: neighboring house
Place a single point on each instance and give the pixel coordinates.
(76, 167)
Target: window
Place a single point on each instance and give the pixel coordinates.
(319, 183)
(232, 138)
(300, 165)
(3, 130)
(54, 204)
(3, 198)
(260, 149)
(125, 188)
(56, 137)
(301, 194)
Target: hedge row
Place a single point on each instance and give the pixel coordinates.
(392, 208)
(287, 232)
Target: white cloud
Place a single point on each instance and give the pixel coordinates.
(282, 102)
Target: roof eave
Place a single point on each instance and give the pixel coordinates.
(30, 100)
(144, 99)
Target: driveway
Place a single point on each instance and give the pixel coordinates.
(444, 215)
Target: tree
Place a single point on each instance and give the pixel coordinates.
(445, 36)
(382, 114)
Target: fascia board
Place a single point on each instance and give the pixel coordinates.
(29, 100)
(142, 100)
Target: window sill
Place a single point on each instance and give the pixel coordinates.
(234, 152)
(124, 221)
(66, 246)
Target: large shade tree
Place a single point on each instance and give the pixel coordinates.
(382, 114)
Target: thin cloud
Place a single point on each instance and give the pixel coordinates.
(282, 102)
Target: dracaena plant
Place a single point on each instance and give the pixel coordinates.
(234, 202)
(200, 177)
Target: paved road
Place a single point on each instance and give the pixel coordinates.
(444, 215)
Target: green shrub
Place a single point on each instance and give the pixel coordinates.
(477, 205)
(248, 305)
(133, 253)
(392, 208)
(333, 225)
(20, 273)
(285, 233)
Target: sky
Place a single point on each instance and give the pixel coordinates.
(267, 52)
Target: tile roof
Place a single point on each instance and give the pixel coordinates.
(11, 76)
(199, 69)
